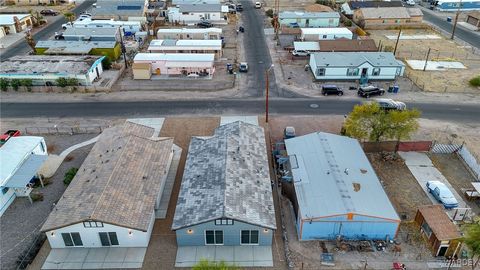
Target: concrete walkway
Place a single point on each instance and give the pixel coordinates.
(161, 212)
(243, 256)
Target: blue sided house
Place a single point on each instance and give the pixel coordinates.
(225, 207)
(336, 190)
(454, 5)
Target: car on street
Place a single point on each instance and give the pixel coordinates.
(300, 53)
(49, 12)
(442, 194)
(239, 7)
(243, 67)
(367, 91)
(390, 104)
(258, 5)
(289, 132)
(410, 2)
(331, 90)
(193, 75)
(204, 24)
(9, 134)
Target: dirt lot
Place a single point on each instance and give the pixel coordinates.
(453, 80)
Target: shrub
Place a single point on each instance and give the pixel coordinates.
(323, 2)
(15, 83)
(4, 84)
(69, 175)
(348, 23)
(475, 81)
(62, 82)
(36, 196)
(269, 13)
(72, 82)
(106, 63)
(27, 83)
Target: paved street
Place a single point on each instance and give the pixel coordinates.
(449, 112)
(45, 33)
(466, 35)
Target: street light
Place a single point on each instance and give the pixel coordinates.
(266, 92)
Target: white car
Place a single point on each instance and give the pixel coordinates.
(258, 5)
(300, 53)
(410, 2)
(390, 104)
(193, 75)
(442, 194)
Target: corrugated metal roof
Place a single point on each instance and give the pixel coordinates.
(186, 57)
(307, 15)
(14, 153)
(190, 30)
(200, 8)
(227, 176)
(306, 46)
(74, 43)
(325, 31)
(332, 176)
(91, 31)
(355, 59)
(26, 172)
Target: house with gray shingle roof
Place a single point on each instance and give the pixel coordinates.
(226, 194)
(112, 199)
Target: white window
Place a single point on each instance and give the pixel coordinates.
(376, 72)
(224, 221)
(214, 237)
(72, 239)
(352, 72)
(92, 224)
(108, 238)
(249, 237)
(320, 72)
(324, 36)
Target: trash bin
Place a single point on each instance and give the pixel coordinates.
(449, 19)
(396, 89)
(390, 89)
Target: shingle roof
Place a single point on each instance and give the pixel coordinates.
(355, 59)
(474, 14)
(348, 45)
(119, 181)
(385, 13)
(439, 222)
(371, 4)
(227, 175)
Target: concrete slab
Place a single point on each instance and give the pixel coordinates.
(96, 255)
(226, 253)
(186, 256)
(468, 26)
(58, 255)
(416, 159)
(247, 119)
(410, 37)
(76, 255)
(116, 255)
(112, 265)
(132, 265)
(262, 256)
(435, 65)
(92, 265)
(135, 255)
(205, 252)
(161, 212)
(243, 256)
(50, 265)
(71, 265)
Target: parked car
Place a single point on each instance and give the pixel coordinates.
(331, 89)
(49, 12)
(239, 7)
(300, 53)
(367, 91)
(390, 104)
(7, 135)
(193, 75)
(289, 132)
(204, 24)
(258, 5)
(442, 194)
(410, 2)
(243, 67)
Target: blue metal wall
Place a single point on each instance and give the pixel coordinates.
(231, 234)
(466, 5)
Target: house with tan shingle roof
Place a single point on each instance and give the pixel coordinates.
(112, 199)
(384, 17)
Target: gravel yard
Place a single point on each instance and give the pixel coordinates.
(20, 224)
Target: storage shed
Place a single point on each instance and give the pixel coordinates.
(436, 227)
(142, 71)
(336, 191)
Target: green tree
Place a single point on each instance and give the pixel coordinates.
(72, 82)
(27, 83)
(106, 63)
(62, 82)
(205, 264)
(369, 121)
(472, 241)
(70, 16)
(4, 83)
(69, 175)
(269, 13)
(475, 81)
(15, 83)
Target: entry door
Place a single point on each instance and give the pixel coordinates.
(364, 72)
(442, 250)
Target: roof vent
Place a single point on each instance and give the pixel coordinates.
(346, 171)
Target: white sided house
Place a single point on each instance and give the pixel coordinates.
(112, 199)
(313, 34)
(186, 46)
(178, 64)
(20, 159)
(195, 13)
(190, 33)
(126, 26)
(355, 66)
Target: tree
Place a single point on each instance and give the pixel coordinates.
(472, 241)
(27, 83)
(208, 265)
(269, 13)
(15, 83)
(106, 63)
(475, 81)
(369, 121)
(4, 84)
(70, 16)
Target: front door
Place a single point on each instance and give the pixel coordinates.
(442, 250)
(364, 72)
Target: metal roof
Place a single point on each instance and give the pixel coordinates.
(227, 175)
(374, 4)
(73, 46)
(355, 59)
(181, 57)
(190, 30)
(385, 13)
(200, 8)
(7, 19)
(91, 31)
(14, 153)
(119, 181)
(306, 46)
(26, 171)
(307, 15)
(134, 8)
(185, 44)
(326, 31)
(332, 176)
(47, 64)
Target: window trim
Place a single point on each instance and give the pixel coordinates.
(376, 71)
(109, 238)
(318, 72)
(224, 221)
(250, 238)
(72, 239)
(214, 238)
(352, 72)
(96, 224)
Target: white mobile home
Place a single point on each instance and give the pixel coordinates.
(126, 26)
(178, 64)
(309, 19)
(189, 33)
(191, 14)
(186, 46)
(355, 65)
(20, 159)
(313, 34)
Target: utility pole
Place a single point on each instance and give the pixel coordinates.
(426, 60)
(122, 46)
(396, 43)
(267, 72)
(456, 19)
(276, 22)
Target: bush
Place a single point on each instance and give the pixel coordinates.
(269, 13)
(62, 82)
(37, 196)
(106, 63)
(69, 175)
(15, 83)
(27, 83)
(4, 83)
(323, 2)
(72, 82)
(475, 81)
(348, 23)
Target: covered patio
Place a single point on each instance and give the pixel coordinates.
(243, 256)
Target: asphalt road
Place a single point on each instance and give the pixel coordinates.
(461, 33)
(456, 113)
(45, 33)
